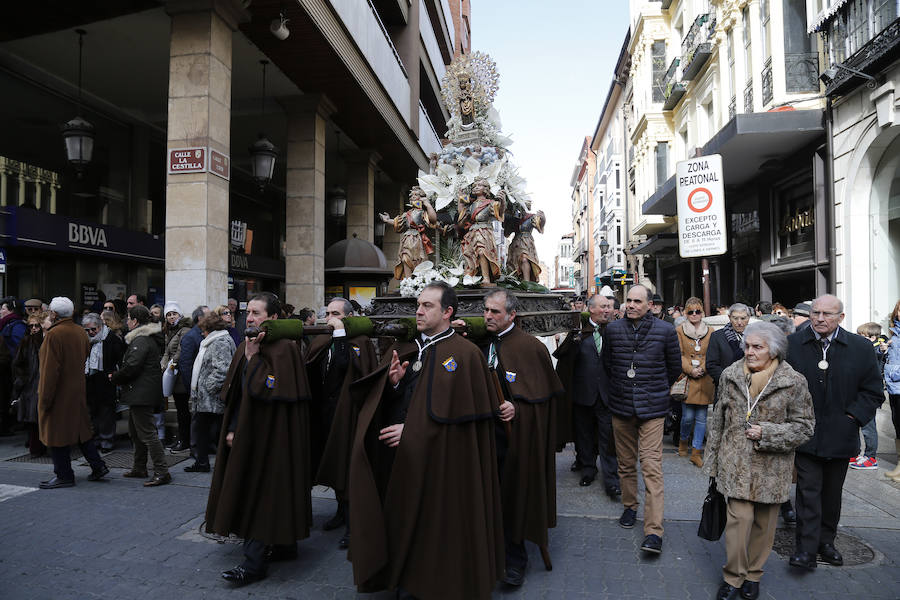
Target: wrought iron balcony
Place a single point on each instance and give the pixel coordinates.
(767, 92)
(877, 53)
(732, 108)
(801, 70)
(696, 47)
(673, 88)
(748, 96)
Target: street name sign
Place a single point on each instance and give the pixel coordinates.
(700, 191)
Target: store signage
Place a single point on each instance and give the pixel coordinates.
(219, 164)
(187, 160)
(238, 234)
(87, 235)
(2, 261)
(700, 191)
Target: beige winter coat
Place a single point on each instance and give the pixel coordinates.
(758, 471)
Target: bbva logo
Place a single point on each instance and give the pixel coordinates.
(85, 234)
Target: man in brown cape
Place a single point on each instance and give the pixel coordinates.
(526, 456)
(63, 417)
(333, 362)
(427, 520)
(261, 484)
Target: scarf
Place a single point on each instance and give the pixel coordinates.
(759, 379)
(696, 333)
(195, 371)
(731, 335)
(94, 362)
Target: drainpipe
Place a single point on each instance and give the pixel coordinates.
(829, 193)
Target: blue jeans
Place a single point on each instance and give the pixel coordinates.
(870, 436)
(693, 418)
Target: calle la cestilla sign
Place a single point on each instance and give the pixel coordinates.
(198, 160)
(700, 191)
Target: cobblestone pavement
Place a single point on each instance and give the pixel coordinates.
(117, 539)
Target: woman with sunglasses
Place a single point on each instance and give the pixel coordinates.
(26, 374)
(693, 337)
(107, 350)
(228, 317)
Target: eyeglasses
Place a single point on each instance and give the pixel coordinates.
(695, 312)
(225, 312)
(92, 329)
(822, 313)
(109, 307)
(34, 326)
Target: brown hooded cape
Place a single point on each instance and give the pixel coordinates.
(261, 484)
(431, 523)
(528, 480)
(333, 453)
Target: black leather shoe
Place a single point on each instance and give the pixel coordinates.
(241, 576)
(158, 480)
(279, 553)
(614, 492)
(56, 482)
(628, 518)
(804, 560)
(788, 514)
(197, 468)
(653, 544)
(726, 592)
(334, 522)
(586, 481)
(830, 555)
(179, 447)
(344, 542)
(135, 474)
(98, 474)
(750, 590)
(514, 576)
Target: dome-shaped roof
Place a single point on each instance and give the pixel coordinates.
(353, 255)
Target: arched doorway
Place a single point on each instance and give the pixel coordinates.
(885, 239)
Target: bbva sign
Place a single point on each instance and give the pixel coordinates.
(87, 235)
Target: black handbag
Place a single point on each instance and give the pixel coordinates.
(714, 516)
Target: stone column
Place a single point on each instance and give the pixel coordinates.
(304, 268)
(361, 194)
(197, 232)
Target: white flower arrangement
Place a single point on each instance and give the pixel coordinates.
(426, 273)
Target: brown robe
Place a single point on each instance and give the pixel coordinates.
(333, 455)
(565, 369)
(63, 417)
(261, 484)
(431, 522)
(528, 480)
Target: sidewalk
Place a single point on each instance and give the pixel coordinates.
(117, 539)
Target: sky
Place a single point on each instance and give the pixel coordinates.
(555, 61)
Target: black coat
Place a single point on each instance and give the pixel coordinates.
(139, 378)
(99, 387)
(721, 354)
(656, 354)
(581, 369)
(850, 387)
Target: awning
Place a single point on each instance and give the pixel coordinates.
(745, 143)
(820, 19)
(661, 243)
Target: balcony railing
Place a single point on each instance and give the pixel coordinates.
(748, 96)
(875, 54)
(767, 93)
(696, 47)
(802, 72)
(674, 89)
(732, 108)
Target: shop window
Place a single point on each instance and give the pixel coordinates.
(794, 220)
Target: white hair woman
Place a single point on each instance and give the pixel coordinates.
(764, 412)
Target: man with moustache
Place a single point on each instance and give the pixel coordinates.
(261, 484)
(424, 491)
(526, 456)
(581, 370)
(642, 358)
(845, 382)
(334, 361)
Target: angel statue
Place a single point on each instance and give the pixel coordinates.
(415, 246)
(522, 258)
(477, 213)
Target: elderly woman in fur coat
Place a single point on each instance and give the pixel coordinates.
(763, 414)
(207, 379)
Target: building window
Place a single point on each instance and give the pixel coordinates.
(618, 235)
(801, 58)
(658, 60)
(662, 163)
(748, 55)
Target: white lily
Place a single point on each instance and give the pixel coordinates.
(425, 265)
(471, 279)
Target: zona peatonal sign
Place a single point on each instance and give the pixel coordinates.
(701, 207)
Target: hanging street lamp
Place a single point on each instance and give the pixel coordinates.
(78, 134)
(263, 152)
